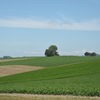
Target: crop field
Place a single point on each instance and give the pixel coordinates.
(68, 75)
(49, 61)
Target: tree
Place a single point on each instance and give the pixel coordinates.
(51, 51)
(6, 57)
(90, 54)
(93, 54)
(87, 54)
(48, 52)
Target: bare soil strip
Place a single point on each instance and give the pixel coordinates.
(15, 69)
(4, 60)
(47, 96)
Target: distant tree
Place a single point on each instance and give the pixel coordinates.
(98, 55)
(87, 54)
(93, 54)
(51, 51)
(6, 57)
(48, 52)
(90, 54)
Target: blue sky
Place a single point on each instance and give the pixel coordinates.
(29, 27)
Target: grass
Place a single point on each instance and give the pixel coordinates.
(50, 61)
(76, 79)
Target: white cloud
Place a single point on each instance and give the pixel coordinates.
(75, 52)
(33, 53)
(70, 52)
(51, 24)
(95, 1)
(83, 51)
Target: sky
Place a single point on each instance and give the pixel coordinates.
(29, 27)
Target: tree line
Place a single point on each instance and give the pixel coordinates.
(5, 57)
(90, 54)
(52, 51)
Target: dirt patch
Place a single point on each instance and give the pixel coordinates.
(49, 96)
(15, 69)
(4, 60)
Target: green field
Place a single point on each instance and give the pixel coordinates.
(50, 61)
(73, 79)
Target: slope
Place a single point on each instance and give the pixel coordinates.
(85, 68)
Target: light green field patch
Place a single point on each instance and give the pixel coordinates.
(50, 61)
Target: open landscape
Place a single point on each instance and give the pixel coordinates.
(49, 49)
(58, 75)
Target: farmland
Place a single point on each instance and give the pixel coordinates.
(49, 61)
(67, 75)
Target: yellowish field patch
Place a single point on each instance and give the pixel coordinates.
(44, 97)
(4, 60)
(15, 69)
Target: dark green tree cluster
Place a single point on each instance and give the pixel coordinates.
(51, 51)
(90, 54)
(6, 57)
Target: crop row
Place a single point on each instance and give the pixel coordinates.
(86, 85)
